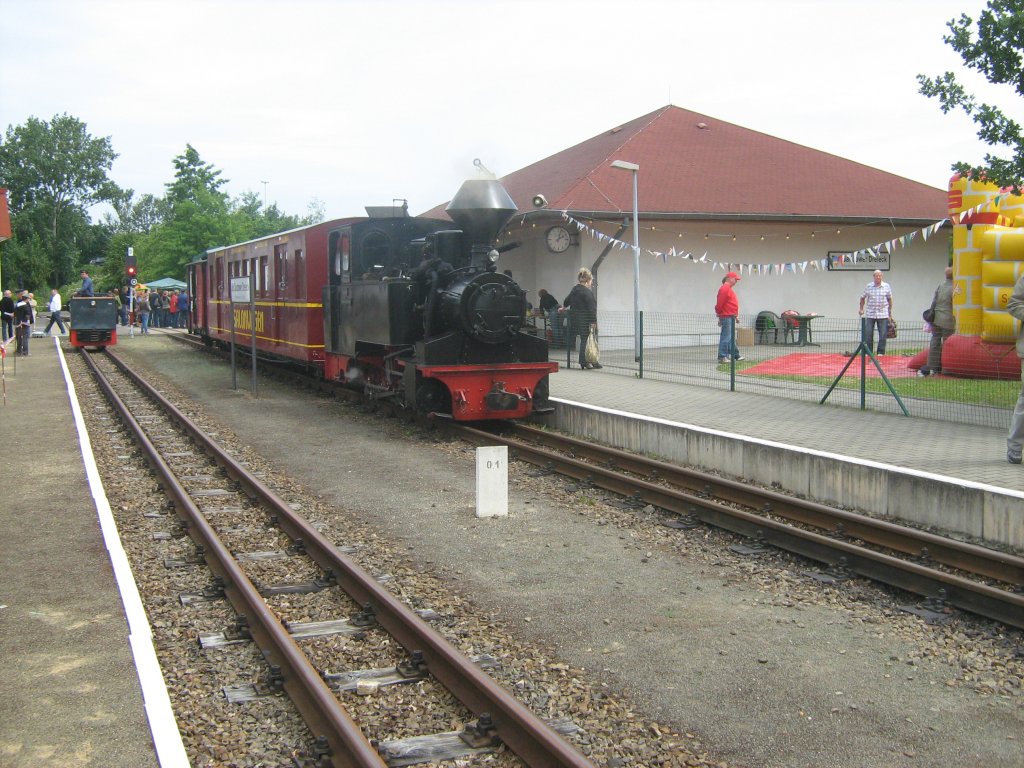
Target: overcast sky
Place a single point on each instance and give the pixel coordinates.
(359, 102)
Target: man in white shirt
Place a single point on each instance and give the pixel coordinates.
(876, 311)
(55, 304)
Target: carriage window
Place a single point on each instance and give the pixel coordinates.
(219, 282)
(281, 267)
(300, 275)
(263, 276)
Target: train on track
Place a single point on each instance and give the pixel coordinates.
(93, 321)
(406, 308)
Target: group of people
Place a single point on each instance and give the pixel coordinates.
(159, 309)
(151, 308)
(581, 307)
(875, 311)
(18, 318)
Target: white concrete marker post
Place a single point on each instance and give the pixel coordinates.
(492, 481)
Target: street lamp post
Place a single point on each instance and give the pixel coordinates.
(636, 254)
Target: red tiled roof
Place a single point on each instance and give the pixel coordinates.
(695, 164)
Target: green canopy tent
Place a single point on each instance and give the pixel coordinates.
(164, 283)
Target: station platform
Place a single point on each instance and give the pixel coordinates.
(949, 476)
(73, 636)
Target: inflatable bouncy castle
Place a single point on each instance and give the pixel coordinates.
(988, 259)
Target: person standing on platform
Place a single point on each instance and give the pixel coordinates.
(727, 307)
(549, 306)
(87, 287)
(943, 325)
(183, 302)
(876, 312)
(165, 303)
(55, 306)
(156, 308)
(7, 315)
(1015, 439)
(582, 306)
(23, 319)
(125, 294)
(143, 309)
(35, 308)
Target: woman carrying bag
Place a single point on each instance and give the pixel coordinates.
(582, 306)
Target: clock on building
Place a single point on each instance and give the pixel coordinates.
(558, 239)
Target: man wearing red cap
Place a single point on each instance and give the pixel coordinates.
(727, 307)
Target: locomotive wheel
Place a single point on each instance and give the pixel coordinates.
(432, 397)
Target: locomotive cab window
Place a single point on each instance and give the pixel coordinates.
(374, 255)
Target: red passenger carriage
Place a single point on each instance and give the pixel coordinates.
(288, 271)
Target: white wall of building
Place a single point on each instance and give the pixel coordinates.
(682, 285)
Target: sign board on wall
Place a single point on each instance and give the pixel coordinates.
(842, 261)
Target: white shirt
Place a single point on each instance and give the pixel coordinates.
(55, 303)
(877, 300)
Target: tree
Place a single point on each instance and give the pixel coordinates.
(996, 52)
(196, 217)
(54, 170)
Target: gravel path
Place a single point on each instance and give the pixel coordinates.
(751, 663)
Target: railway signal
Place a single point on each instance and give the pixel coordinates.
(130, 265)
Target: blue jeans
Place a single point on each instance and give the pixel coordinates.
(868, 332)
(726, 340)
(144, 321)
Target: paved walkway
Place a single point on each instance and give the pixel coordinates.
(71, 691)
(959, 451)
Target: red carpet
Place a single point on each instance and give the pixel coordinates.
(812, 364)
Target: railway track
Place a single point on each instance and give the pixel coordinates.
(500, 719)
(945, 572)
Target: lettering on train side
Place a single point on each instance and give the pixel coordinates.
(243, 320)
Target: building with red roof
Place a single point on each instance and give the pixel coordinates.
(716, 197)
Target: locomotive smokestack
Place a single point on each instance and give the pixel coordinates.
(481, 209)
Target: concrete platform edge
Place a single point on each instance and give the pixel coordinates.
(170, 749)
(984, 512)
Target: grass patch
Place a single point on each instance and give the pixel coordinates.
(988, 392)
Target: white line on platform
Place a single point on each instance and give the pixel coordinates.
(170, 750)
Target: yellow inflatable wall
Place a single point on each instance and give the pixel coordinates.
(988, 258)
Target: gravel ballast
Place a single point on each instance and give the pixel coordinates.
(748, 659)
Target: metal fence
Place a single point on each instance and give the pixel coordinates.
(804, 358)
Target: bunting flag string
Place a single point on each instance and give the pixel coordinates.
(903, 241)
